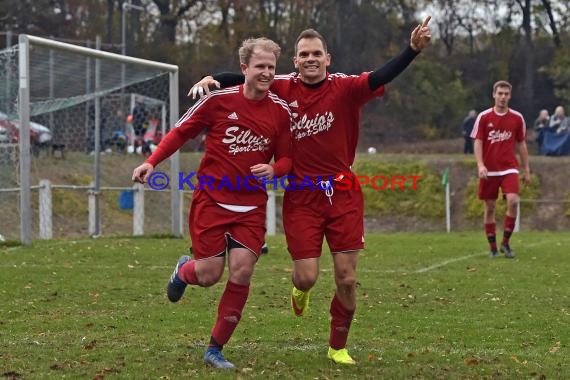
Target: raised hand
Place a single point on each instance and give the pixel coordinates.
(421, 36)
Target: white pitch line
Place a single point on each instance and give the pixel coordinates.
(444, 263)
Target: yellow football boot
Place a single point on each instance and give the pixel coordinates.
(340, 356)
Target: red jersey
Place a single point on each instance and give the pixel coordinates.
(240, 133)
(325, 127)
(499, 134)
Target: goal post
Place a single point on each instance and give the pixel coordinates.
(41, 91)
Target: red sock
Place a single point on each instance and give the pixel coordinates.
(508, 227)
(229, 311)
(491, 235)
(188, 273)
(341, 318)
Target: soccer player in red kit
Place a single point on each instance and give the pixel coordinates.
(326, 112)
(245, 127)
(496, 133)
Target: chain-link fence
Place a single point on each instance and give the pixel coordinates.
(88, 111)
(9, 152)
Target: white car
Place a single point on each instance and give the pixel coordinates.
(39, 134)
(4, 135)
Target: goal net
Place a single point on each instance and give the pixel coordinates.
(82, 119)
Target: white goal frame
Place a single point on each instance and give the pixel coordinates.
(25, 42)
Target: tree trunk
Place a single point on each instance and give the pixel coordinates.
(528, 56)
(168, 27)
(555, 34)
(109, 23)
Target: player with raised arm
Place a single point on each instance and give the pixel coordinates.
(246, 126)
(326, 114)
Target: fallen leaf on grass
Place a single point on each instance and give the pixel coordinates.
(472, 361)
(539, 376)
(471, 269)
(515, 359)
(105, 371)
(554, 348)
(12, 375)
(57, 366)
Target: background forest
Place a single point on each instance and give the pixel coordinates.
(475, 44)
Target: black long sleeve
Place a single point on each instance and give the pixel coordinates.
(377, 78)
(229, 79)
(391, 69)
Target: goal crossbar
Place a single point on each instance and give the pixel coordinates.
(34, 40)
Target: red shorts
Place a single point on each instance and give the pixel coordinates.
(308, 216)
(210, 225)
(489, 188)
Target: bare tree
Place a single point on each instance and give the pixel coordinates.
(457, 19)
(171, 12)
(555, 34)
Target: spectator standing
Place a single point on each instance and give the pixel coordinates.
(540, 123)
(140, 117)
(467, 128)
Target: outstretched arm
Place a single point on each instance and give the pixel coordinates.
(419, 39)
(221, 80)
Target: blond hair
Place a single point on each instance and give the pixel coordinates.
(249, 45)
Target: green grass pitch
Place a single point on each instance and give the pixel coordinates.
(430, 305)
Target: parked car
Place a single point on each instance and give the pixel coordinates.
(40, 135)
(8, 132)
(4, 135)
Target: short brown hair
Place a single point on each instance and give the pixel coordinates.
(248, 46)
(502, 83)
(310, 33)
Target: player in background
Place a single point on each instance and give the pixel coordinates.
(326, 113)
(246, 126)
(496, 133)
